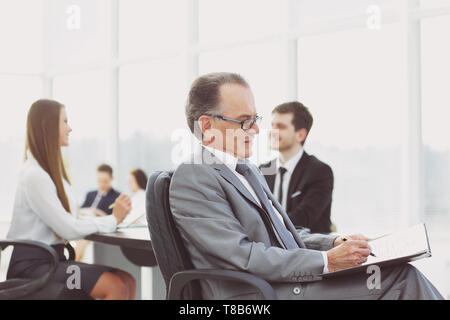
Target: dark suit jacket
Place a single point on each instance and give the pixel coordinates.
(312, 186)
(104, 203)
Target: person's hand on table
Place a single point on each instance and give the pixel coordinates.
(122, 207)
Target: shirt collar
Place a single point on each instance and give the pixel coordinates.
(226, 158)
(104, 193)
(291, 163)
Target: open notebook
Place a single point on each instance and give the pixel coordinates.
(395, 248)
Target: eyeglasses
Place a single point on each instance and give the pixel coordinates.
(245, 124)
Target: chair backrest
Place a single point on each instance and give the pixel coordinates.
(170, 253)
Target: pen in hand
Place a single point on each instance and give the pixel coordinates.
(345, 239)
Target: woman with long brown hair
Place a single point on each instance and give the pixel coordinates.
(45, 210)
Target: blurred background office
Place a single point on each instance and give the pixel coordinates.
(375, 75)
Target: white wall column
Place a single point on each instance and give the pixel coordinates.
(412, 153)
(192, 41)
(113, 147)
(47, 78)
(291, 45)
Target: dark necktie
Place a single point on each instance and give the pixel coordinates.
(284, 234)
(280, 189)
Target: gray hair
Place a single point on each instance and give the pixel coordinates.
(204, 96)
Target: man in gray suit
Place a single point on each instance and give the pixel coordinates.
(229, 219)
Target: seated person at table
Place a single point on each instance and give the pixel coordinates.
(45, 211)
(97, 203)
(137, 182)
(302, 184)
(100, 200)
(229, 219)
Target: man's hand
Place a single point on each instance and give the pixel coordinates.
(122, 207)
(348, 254)
(340, 240)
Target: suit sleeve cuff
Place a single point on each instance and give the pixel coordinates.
(325, 261)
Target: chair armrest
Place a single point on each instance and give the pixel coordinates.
(28, 287)
(180, 279)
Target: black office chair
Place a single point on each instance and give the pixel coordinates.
(41, 288)
(179, 274)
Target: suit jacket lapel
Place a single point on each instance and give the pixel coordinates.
(297, 174)
(226, 173)
(270, 178)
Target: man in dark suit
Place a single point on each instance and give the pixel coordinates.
(101, 199)
(301, 183)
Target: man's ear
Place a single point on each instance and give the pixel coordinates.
(301, 135)
(204, 123)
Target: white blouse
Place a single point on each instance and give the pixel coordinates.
(39, 215)
(138, 201)
(137, 213)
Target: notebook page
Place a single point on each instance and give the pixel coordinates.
(399, 244)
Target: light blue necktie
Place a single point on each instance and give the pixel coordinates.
(284, 234)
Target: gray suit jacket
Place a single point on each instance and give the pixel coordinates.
(224, 227)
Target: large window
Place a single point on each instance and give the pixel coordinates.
(353, 91)
(86, 96)
(434, 3)
(152, 98)
(435, 116)
(151, 27)
(123, 69)
(17, 93)
(21, 61)
(268, 84)
(436, 102)
(235, 20)
(21, 27)
(78, 33)
(152, 83)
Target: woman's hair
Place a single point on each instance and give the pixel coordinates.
(141, 178)
(43, 141)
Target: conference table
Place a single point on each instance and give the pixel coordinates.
(130, 249)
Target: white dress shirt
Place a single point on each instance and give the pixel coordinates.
(231, 162)
(138, 201)
(290, 167)
(39, 215)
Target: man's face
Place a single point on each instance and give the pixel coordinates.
(237, 103)
(283, 132)
(104, 181)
